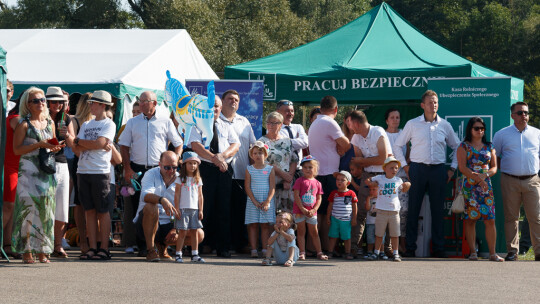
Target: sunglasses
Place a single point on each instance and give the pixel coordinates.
(57, 101)
(522, 112)
(38, 100)
(170, 167)
(145, 101)
(285, 102)
(479, 128)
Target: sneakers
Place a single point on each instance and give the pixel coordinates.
(371, 256)
(382, 256)
(197, 259)
(254, 253)
(130, 250)
(179, 259)
(396, 258)
(152, 256)
(65, 244)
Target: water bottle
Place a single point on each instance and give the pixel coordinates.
(61, 125)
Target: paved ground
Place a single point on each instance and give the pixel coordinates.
(128, 279)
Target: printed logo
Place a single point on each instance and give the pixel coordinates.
(270, 84)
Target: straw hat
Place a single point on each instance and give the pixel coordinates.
(389, 160)
(54, 93)
(259, 144)
(102, 97)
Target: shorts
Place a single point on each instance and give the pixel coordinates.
(370, 233)
(339, 229)
(111, 197)
(94, 191)
(161, 233)
(298, 218)
(189, 220)
(387, 218)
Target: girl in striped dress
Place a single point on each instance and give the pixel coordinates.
(260, 188)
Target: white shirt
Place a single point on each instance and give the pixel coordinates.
(392, 139)
(189, 195)
(244, 131)
(368, 145)
(299, 139)
(428, 141)
(226, 137)
(153, 183)
(322, 136)
(389, 188)
(518, 151)
(96, 161)
(148, 138)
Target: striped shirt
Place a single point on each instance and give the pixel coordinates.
(342, 204)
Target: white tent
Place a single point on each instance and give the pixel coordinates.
(118, 61)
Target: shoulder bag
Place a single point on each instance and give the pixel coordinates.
(458, 205)
(47, 162)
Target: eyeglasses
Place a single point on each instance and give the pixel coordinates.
(38, 100)
(284, 102)
(170, 167)
(149, 100)
(522, 112)
(275, 123)
(57, 101)
(479, 128)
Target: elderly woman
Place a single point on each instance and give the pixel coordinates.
(57, 104)
(281, 155)
(477, 161)
(35, 200)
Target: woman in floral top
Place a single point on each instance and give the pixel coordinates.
(282, 157)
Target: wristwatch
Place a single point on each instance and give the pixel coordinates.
(159, 200)
(76, 141)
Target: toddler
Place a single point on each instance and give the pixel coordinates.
(188, 201)
(260, 207)
(389, 186)
(371, 202)
(358, 230)
(282, 242)
(307, 200)
(341, 215)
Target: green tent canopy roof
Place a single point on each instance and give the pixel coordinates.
(379, 56)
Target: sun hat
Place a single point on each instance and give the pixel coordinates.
(389, 160)
(54, 93)
(306, 159)
(187, 156)
(259, 144)
(344, 173)
(101, 97)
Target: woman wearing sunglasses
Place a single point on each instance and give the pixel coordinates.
(477, 162)
(57, 105)
(35, 201)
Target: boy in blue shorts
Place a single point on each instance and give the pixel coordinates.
(342, 211)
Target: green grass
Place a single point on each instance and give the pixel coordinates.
(529, 256)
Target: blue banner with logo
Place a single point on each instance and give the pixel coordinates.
(251, 97)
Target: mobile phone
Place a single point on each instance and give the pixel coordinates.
(53, 141)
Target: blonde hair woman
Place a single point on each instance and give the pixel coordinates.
(35, 200)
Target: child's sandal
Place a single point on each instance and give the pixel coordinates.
(473, 256)
(289, 263)
(302, 256)
(321, 256)
(496, 258)
(267, 262)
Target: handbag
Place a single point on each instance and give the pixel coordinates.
(458, 205)
(47, 162)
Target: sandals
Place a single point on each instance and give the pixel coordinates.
(321, 256)
(267, 262)
(89, 255)
(102, 255)
(473, 256)
(254, 253)
(289, 263)
(43, 258)
(496, 258)
(302, 256)
(59, 254)
(28, 260)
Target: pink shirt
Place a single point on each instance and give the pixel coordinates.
(322, 136)
(308, 190)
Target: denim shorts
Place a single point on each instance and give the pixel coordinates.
(370, 233)
(298, 218)
(189, 220)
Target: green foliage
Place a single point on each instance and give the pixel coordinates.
(532, 91)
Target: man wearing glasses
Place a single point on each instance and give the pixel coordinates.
(295, 132)
(143, 140)
(518, 150)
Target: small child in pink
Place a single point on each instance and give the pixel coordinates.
(307, 200)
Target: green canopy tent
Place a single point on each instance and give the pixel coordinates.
(379, 58)
(3, 99)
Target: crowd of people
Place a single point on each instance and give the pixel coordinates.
(289, 195)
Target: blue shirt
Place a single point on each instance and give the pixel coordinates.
(519, 151)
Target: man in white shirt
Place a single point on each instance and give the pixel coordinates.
(143, 140)
(295, 132)
(518, 149)
(325, 138)
(244, 131)
(93, 173)
(371, 148)
(430, 135)
(216, 172)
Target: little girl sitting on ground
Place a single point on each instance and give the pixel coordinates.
(282, 242)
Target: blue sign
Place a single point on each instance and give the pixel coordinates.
(251, 97)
